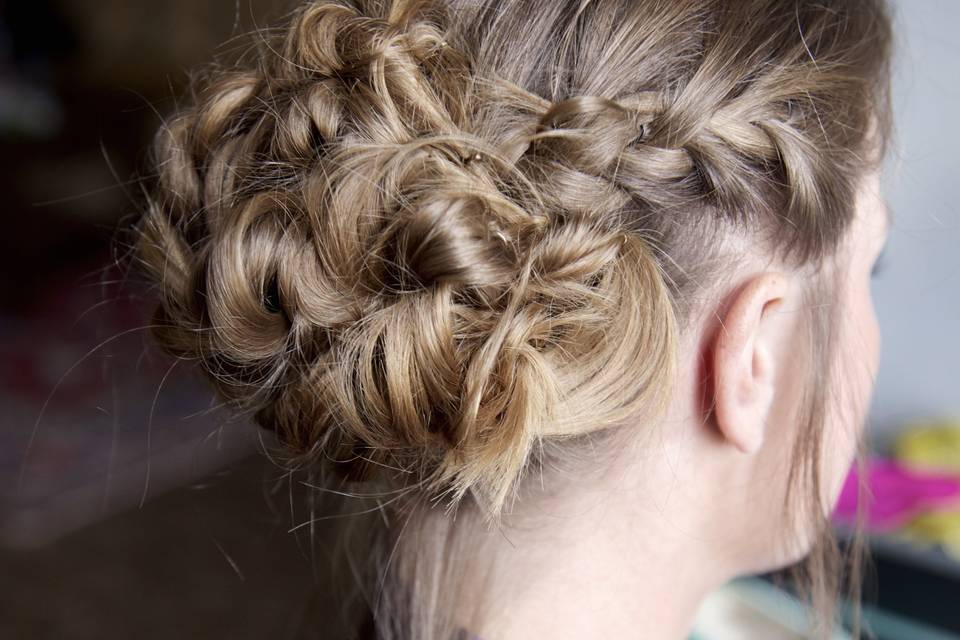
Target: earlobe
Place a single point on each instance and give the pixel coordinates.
(744, 361)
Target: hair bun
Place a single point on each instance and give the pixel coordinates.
(331, 249)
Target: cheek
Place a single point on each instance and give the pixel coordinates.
(858, 344)
(867, 341)
(859, 360)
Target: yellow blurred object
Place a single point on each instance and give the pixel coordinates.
(932, 445)
(941, 528)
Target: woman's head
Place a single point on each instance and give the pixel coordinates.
(758, 352)
(457, 246)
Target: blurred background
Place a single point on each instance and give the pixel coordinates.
(131, 506)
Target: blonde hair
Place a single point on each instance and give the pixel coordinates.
(434, 245)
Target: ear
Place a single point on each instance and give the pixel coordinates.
(744, 360)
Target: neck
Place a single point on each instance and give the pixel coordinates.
(599, 566)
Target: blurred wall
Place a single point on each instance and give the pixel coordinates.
(916, 294)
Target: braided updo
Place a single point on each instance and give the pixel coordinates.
(402, 256)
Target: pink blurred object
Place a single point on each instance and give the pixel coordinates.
(895, 493)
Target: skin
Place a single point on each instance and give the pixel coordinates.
(700, 502)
